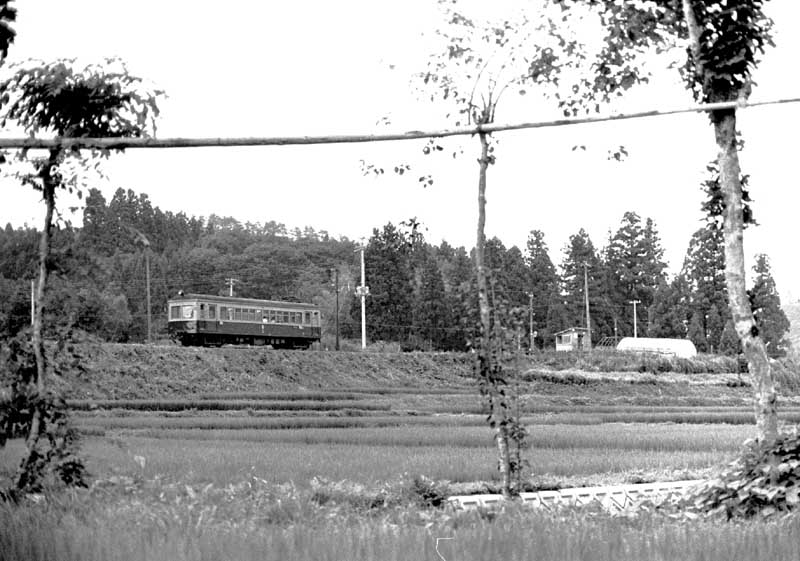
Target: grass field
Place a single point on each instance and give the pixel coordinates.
(273, 465)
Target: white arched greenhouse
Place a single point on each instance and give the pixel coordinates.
(681, 348)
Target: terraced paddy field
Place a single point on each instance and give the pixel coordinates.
(307, 455)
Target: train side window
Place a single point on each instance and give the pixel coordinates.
(175, 312)
(237, 314)
(202, 311)
(230, 314)
(307, 318)
(212, 311)
(259, 315)
(285, 317)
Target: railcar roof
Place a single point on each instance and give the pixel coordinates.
(242, 301)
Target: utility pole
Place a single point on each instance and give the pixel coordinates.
(634, 302)
(362, 291)
(147, 274)
(33, 299)
(586, 295)
(141, 238)
(530, 320)
(336, 284)
(230, 282)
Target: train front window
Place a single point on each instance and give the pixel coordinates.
(187, 312)
(175, 312)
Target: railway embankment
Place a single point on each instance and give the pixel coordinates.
(133, 371)
(125, 371)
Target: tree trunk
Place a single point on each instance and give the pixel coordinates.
(486, 355)
(755, 351)
(37, 337)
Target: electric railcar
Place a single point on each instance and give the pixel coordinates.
(204, 320)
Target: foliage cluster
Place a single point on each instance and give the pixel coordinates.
(763, 481)
(53, 459)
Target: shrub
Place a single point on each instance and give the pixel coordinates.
(763, 481)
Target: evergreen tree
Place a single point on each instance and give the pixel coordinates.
(704, 269)
(729, 343)
(458, 275)
(697, 333)
(771, 321)
(543, 286)
(431, 317)
(669, 314)
(578, 253)
(388, 276)
(634, 261)
(714, 327)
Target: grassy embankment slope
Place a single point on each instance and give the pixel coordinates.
(113, 371)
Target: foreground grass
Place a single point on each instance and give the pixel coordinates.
(253, 521)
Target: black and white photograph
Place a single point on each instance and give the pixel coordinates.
(432, 280)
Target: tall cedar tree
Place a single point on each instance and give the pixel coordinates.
(670, 312)
(634, 262)
(389, 278)
(578, 252)
(771, 320)
(431, 317)
(543, 287)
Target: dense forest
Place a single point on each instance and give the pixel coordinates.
(421, 295)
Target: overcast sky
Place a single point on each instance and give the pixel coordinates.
(307, 67)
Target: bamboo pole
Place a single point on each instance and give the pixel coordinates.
(178, 142)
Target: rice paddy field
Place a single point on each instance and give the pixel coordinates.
(360, 472)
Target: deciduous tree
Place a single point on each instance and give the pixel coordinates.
(725, 39)
(64, 100)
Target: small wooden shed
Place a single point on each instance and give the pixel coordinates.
(573, 339)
